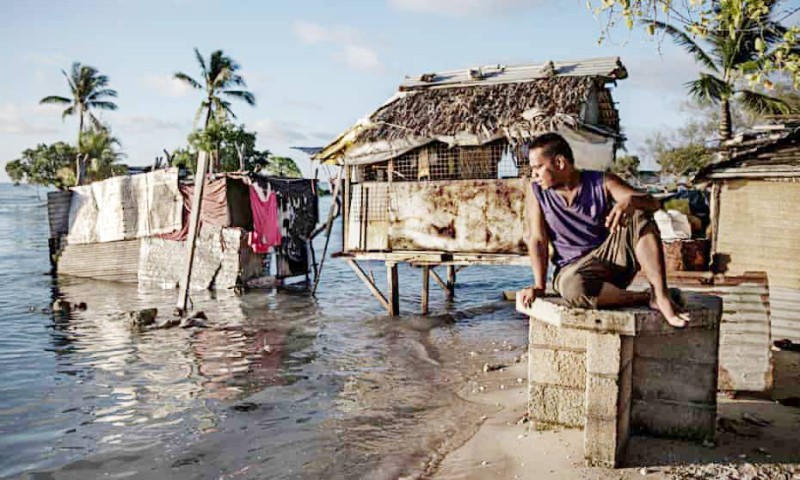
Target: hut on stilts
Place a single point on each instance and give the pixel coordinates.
(434, 177)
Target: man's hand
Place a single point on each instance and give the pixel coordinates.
(619, 214)
(530, 294)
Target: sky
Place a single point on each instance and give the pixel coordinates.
(315, 66)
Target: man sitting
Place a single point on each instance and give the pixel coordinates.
(601, 232)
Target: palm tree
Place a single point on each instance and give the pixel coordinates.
(737, 44)
(219, 80)
(89, 91)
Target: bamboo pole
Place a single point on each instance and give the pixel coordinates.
(328, 229)
(194, 221)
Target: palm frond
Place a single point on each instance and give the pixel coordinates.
(189, 80)
(762, 104)
(102, 105)
(684, 40)
(709, 88)
(242, 95)
(201, 61)
(68, 112)
(55, 99)
(105, 92)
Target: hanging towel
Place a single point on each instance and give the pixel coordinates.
(266, 230)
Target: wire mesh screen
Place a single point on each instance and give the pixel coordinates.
(439, 162)
(370, 184)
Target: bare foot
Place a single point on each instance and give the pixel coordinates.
(667, 307)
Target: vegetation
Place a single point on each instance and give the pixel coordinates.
(234, 149)
(219, 81)
(751, 22)
(627, 167)
(45, 165)
(730, 49)
(89, 90)
(57, 164)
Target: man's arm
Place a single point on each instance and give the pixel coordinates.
(626, 200)
(537, 249)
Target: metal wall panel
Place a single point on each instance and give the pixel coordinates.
(115, 261)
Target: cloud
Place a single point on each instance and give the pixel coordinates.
(351, 48)
(463, 8)
(13, 121)
(271, 131)
(145, 124)
(666, 74)
(167, 85)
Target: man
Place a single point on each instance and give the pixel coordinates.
(601, 232)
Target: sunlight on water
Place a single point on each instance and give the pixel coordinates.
(280, 382)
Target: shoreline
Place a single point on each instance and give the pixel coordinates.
(756, 438)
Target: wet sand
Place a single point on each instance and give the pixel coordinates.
(756, 438)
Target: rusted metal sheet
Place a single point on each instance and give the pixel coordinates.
(745, 356)
(115, 261)
(470, 216)
(785, 305)
(58, 212)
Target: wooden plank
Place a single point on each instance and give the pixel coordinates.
(438, 279)
(370, 285)
(425, 283)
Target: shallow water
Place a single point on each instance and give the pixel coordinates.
(281, 385)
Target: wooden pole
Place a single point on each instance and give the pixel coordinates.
(327, 237)
(346, 208)
(394, 289)
(194, 221)
(425, 282)
(438, 279)
(451, 283)
(370, 285)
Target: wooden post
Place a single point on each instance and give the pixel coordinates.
(451, 283)
(716, 192)
(194, 220)
(346, 208)
(425, 281)
(394, 289)
(369, 283)
(328, 227)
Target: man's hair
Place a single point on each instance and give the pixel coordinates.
(551, 144)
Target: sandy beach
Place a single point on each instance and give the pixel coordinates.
(756, 438)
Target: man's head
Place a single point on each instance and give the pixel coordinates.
(551, 160)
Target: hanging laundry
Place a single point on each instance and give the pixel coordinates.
(266, 229)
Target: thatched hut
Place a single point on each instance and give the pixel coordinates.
(433, 177)
(755, 219)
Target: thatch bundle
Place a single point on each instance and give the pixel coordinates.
(483, 109)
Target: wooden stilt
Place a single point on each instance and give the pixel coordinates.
(372, 288)
(451, 282)
(438, 279)
(394, 289)
(425, 281)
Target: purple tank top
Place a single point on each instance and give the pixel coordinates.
(580, 228)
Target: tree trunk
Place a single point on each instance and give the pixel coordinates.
(725, 127)
(79, 170)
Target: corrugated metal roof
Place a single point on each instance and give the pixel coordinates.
(607, 67)
(771, 151)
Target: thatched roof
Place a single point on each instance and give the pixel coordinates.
(481, 110)
(470, 107)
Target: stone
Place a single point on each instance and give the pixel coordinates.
(142, 318)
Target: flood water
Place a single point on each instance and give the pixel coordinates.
(280, 385)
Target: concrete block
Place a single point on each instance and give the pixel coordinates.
(557, 367)
(695, 345)
(671, 380)
(674, 420)
(544, 334)
(556, 405)
(607, 353)
(601, 443)
(602, 396)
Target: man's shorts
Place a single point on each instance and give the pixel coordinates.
(614, 261)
